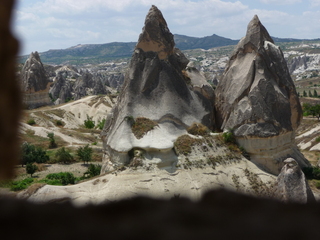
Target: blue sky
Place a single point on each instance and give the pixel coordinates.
(56, 24)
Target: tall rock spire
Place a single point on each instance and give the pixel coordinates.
(160, 89)
(155, 35)
(257, 99)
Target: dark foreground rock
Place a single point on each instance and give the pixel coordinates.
(218, 215)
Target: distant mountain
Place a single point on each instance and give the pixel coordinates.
(184, 42)
(98, 53)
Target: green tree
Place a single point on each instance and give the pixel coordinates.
(52, 143)
(85, 153)
(304, 93)
(315, 93)
(309, 94)
(63, 156)
(89, 123)
(31, 154)
(31, 168)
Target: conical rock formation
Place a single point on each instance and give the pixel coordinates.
(35, 82)
(157, 90)
(257, 100)
(34, 76)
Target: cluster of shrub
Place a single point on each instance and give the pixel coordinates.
(311, 109)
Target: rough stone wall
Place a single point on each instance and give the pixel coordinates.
(10, 97)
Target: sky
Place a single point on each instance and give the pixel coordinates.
(41, 25)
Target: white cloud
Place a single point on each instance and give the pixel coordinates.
(315, 3)
(281, 2)
(48, 24)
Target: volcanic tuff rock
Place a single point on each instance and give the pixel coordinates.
(158, 88)
(33, 74)
(257, 99)
(292, 186)
(35, 82)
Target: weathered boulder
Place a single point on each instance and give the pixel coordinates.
(157, 89)
(35, 82)
(256, 98)
(292, 186)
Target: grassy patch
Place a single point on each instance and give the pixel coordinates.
(141, 126)
(184, 143)
(198, 129)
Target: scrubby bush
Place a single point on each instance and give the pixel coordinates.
(228, 137)
(52, 143)
(31, 122)
(31, 154)
(100, 124)
(20, 185)
(93, 170)
(59, 123)
(63, 156)
(64, 178)
(89, 123)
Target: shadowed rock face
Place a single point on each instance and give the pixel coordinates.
(292, 186)
(34, 76)
(157, 87)
(35, 83)
(257, 99)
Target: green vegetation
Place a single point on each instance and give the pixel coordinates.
(63, 156)
(309, 109)
(89, 123)
(31, 168)
(312, 172)
(228, 137)
(93, 170)
(85, 154)
(52, 143)
(63, 178)
(141, 126)
(20, 185)
(31, 154)
(100, 124)
(31, 122)
(59, 123)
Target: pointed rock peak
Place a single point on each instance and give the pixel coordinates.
(35, 55)
(257, 34)
(155, 35)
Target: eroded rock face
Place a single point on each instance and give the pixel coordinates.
(292, 186)
(34, 76)
(35, 82)
(257, 99)
(157, 87)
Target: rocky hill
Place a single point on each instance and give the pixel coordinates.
(158, 137)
